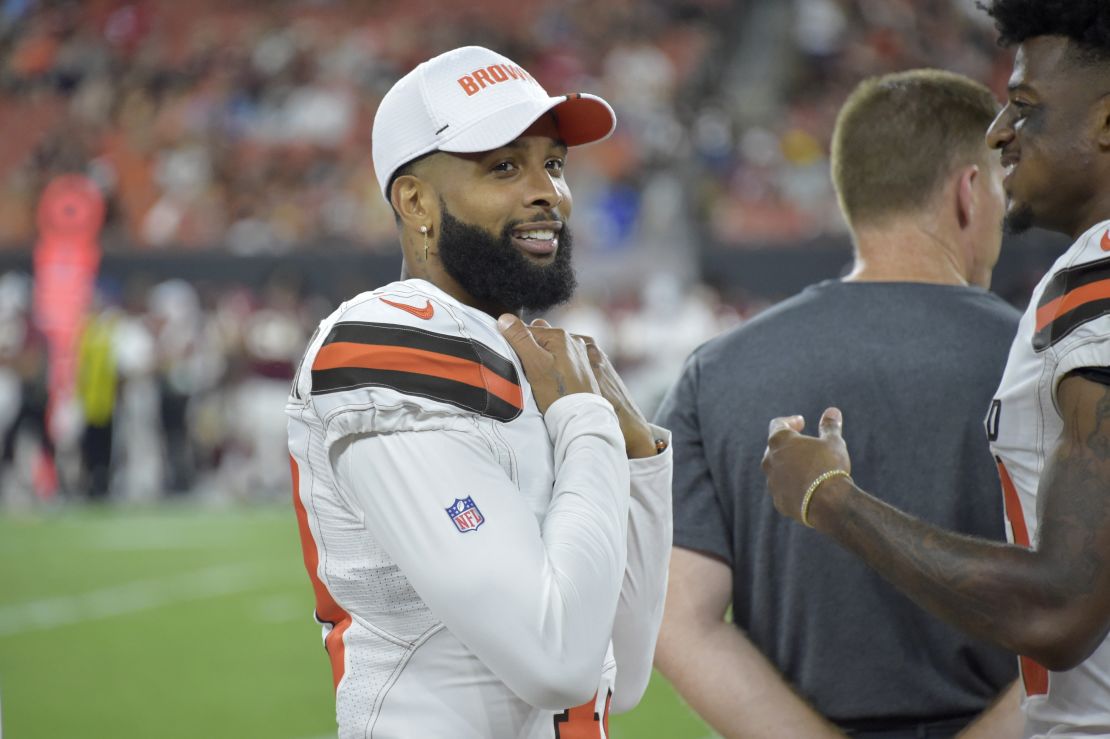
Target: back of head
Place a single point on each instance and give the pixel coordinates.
(1085, 22)
(899, 136)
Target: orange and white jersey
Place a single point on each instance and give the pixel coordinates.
(480, 569)
(1066, 327)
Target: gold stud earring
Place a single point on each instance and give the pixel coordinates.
(424, 230)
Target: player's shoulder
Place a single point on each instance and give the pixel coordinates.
(410, 346)
(1073, 299)
(414, 304)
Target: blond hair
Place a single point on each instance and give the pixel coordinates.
(898, 137)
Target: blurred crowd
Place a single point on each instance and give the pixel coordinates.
(243, 127)
(181, 388)
(769, 182)
(246, 125)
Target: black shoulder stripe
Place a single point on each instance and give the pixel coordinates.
(1069, 279)
(391, 334)
(442, 389)
(1060, 327)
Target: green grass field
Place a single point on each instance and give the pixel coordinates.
(181, 622)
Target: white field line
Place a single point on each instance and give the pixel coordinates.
(132, 597)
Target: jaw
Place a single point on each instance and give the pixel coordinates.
(1019, 217)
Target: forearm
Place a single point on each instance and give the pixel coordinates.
(555, 592)
(643, 591)
(733, 687)
(1000, 593)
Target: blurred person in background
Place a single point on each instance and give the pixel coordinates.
(97, 393)
(186, 369)
(273, 339)
(911, 340)
(1046, 595)
(23, 381)
(485, 514)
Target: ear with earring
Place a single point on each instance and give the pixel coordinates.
(424, 230)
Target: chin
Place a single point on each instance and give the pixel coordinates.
(1019, 219)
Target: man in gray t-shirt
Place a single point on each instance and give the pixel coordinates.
(910, 340)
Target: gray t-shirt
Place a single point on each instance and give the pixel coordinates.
(913, 367)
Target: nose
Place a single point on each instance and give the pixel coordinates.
(544, 191)
(1001, 131)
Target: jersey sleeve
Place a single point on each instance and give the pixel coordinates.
(644, 590)
(535, 603)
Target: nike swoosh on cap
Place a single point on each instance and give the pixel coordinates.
(1106, 241)
(426, 312)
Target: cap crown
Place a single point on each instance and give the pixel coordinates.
(443, 98)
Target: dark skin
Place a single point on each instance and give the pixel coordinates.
(519, 182)
(1050, 602)
(1053, 136)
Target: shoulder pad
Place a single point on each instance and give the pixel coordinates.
(1077, 293)
(396, 348)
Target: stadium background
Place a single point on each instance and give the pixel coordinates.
(150, 579)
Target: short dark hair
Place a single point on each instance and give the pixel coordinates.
(1085, 22)
(898, 137)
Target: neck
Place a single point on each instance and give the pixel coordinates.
(907, 252)
(432, 271)
(1098, 212)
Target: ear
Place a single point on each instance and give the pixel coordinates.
(1102, 121)
(966, 197)
(411, 198)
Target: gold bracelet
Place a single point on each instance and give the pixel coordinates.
(808, 497)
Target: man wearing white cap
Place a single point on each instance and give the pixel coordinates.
(485, 514)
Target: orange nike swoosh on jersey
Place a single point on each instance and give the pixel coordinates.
(426, 312)
(1106, 241)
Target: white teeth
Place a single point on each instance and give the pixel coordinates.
(538, 235)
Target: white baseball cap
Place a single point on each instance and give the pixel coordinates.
(472, 99)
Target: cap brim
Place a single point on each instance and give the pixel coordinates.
(581, 118)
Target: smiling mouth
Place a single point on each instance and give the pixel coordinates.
(540, 242)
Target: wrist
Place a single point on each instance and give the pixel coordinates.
(642, 448)
(828, 500)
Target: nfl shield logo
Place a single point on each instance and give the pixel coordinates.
(465, 514)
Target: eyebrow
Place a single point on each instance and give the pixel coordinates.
(518, 144)
(1020, 87)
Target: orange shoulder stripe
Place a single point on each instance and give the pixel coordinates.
(417, 361)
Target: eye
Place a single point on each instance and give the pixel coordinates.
(555, 165)
(505, 165)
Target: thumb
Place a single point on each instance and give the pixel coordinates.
(832, 423)
(519, 337)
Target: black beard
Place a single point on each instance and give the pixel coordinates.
(1018, 221)
(496, 273)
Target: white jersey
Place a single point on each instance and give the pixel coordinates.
(480, 569)
(1066, 327)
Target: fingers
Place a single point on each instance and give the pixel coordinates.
(541, 323)
(519, 337)
(784, 426)
(832, 423)
(593, 351)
